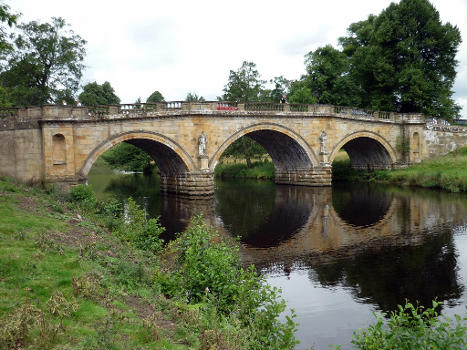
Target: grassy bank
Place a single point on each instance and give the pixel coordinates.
(258, 170)
(448, 173)
(78, 274)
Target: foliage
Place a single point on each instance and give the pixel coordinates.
(45, 64)
(10, 19)
(446, 172)
(245, 148)
(413, 327)
(210, 272)
(193, 97)
(84, 196)
(94, 95)
(144, 233)
(244, 84)
(155, 97)
(125, 156)
(404, 59)
(281, 86)
(258, 170)
(327, 80)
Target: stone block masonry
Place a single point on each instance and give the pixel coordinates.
(59, 144)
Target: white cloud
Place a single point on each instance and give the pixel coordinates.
(180, 46)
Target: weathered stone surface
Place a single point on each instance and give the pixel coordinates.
(61, 143)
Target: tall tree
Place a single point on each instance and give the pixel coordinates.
(244, 84)
(193, 97)
(45, 65)
(404, 59)
(94, 95)
(155, 97)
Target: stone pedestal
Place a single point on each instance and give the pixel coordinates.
(203, 162)
(317, 176)
(199, 183)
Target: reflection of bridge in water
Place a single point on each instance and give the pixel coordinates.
(397, 246)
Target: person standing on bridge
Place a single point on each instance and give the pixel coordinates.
(283, 100)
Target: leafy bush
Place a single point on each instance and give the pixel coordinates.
(84, 196)
(140, 231)
(209, 271)
(413, 327)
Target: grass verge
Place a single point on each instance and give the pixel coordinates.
(79, 274)
(448, 173)
(258, 170)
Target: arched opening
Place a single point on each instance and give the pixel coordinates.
(367, 154)
(291, 157)
(58, 149)
(116, 169)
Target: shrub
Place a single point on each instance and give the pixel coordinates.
(84, 196)
(413, 327)
(208, 269)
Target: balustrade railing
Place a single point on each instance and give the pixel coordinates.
(137, 109)
(263, 106)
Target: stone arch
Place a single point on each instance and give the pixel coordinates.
(274, 138)
(58, 149)
(366, 149)
(171, 158)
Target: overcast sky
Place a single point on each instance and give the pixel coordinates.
(178, 47)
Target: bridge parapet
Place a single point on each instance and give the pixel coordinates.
(221, 108)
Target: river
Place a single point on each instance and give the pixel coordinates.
(339, 254)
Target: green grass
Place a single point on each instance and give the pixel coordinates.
(35, 266)
(258, 170)
(448, 173)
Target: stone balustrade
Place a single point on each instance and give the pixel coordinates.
(138, 110)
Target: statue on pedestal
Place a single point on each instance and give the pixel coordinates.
(322, 140)
(202, 144)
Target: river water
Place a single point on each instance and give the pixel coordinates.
(339, 254)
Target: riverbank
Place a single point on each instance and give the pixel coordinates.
(79, 274)
(448, 173)
(259, 170)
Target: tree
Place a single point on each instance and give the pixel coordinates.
(328, 77)
(97, 95)
(244, 84)
(193, 97)
(10, 20)
(45, 64)
(125, 156)
(155, 97)
(281, 87)
(245, 148)
(404, 59)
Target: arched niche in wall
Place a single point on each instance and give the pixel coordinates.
(58, 149)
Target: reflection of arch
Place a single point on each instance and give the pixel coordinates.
(369, 146)
(169, 156)
(283, 145)
(361, 206)
(58, 149)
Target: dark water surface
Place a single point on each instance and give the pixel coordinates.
(339, 254)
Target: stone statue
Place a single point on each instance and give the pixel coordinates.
(322, 140)
(202, 143)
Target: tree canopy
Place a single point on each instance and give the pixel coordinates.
(402, 60)
(155, 97)
(244, 84)
(94, 94)
(45, 65)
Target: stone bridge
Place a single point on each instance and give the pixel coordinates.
(59, 144)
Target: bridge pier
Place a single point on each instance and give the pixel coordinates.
(317, 176)
(193, 184)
